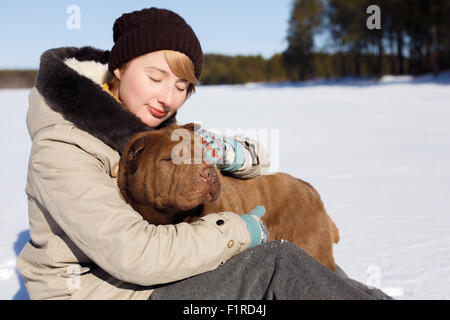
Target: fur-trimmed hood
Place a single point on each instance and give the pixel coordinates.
(70, 81)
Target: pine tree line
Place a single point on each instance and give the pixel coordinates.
(414, 38)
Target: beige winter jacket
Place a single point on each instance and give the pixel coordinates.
(86, 242)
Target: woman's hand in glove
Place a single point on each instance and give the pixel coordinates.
(226, 153)
(256, 228)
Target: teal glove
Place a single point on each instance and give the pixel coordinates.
(256, 228)
(227, 153)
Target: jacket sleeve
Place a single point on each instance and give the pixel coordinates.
(256, 162)
(74, 187)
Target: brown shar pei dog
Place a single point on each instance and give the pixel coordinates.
(164, 192)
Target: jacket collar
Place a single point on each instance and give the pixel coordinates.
(71, 82)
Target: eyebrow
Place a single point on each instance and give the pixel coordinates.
(160, 70)
(165, 73)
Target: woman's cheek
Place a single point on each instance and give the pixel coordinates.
(133, 100)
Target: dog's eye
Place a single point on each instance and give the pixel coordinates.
(166, 159)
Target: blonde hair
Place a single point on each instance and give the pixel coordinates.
(180, 64)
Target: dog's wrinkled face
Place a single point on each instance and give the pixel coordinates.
(168, 175)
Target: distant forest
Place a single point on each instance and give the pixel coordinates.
(17, 78)
(413, 37)
(402, 37)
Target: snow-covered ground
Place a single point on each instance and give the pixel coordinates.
(378, 153)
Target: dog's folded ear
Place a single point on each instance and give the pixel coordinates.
(191, 126)
(135, 150)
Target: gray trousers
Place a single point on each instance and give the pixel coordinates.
(272, 271)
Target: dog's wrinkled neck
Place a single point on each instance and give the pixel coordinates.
(177, 216)
(167, 215)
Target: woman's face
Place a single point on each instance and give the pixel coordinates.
(149, 89)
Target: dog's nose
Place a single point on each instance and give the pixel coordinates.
(208, 172)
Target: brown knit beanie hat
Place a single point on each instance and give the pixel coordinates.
(153, 29)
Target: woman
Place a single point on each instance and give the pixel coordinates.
(86, 242)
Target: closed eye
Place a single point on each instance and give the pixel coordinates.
(154, 79)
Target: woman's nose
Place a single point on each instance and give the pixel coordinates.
(165, 96)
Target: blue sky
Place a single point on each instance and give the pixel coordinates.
(27, 28)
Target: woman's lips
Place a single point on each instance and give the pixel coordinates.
(156, 113)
